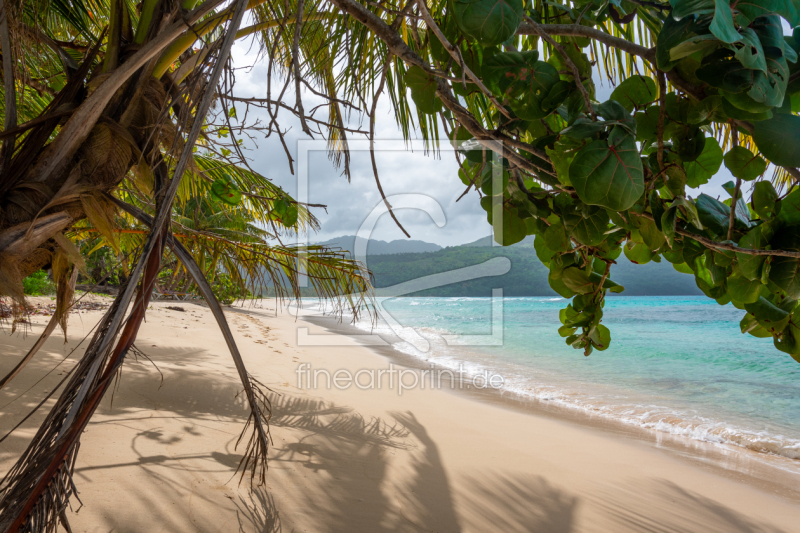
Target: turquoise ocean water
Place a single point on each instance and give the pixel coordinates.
(676, 364)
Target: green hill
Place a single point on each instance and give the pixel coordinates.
(526, 277)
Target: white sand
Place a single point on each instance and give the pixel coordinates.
(162, 458)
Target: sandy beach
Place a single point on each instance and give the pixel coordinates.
(160, 455)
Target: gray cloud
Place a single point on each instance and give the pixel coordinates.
(348, 204)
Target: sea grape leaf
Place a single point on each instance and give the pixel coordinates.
(744, 164)
(637, 253)
(557, 94)
(687, 8)
(612, 110)
(770, 86)
(652, 237)
(722, 70)
(751, 266)
(785, 271)
(744, 290)
(562, 154)
(699, 171)
(647, 124)
(589, 230)
(690, 46)
(705, 109)
(490, 22)
(751, 54)
(534, 90)
(606, 176)
(764, 199)
(556, 238)
(731, 111)
(777, 139)
(722, 24)
(542, 251)
(768, 314)
(423, 90)
(557, 284)
(600, 337)
(744, 102)
(672, 34)
(713, 214)
(753, 9)
(689, 143)
(790, 208)
(577, 280)
(506, 69)
(636, 91)
(513, 228)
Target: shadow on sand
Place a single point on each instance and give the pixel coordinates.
(341, 464)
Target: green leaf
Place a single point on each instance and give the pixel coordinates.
(722, 24)
(764, 199)
(752, 9)
(713, 214)
(504, 71)
(688, 8)
(636, 91)
(558, 93)
(542, 251)
(690, 46)
(638, 253)
(751, 53)
(490, 22)
(698, 172)
(652, 237)
(562, 154)
(689, 143)
(423, 90)
(534, 89)
(790, 208)
(744, 290)
(513, 228)
(600, 337)
(577, 280)
(777, 139)
(751, 266)
(557, 284)
(609, 177)
(744, 102)
(785, 271)
(744, 164)
(647, 124)
(768, 314)
(723, 71)
(589, 229)
(672, 34)
(556, 239)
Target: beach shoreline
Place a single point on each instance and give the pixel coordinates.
(776, 474)
(358, 460)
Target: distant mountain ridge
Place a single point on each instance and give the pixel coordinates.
(378, 247)
(527, 276)
(400, 261)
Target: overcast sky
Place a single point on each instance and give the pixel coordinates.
(349, 204)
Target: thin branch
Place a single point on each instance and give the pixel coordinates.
(296, 65)
(372, 143)
(576, 30)
(567, 61)
(455, 52)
